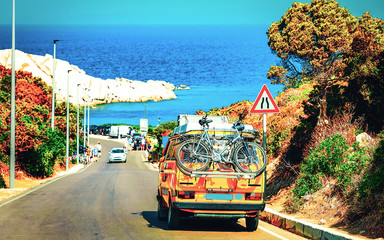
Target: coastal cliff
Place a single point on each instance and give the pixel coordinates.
(91, 89)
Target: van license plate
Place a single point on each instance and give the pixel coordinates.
(219, 196)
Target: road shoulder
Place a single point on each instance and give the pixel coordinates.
(8, 195)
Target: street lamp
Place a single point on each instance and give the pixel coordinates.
(85, 118)
(67, 147)
(13, 107)
(77, 126)
(53, 85)
(89, 90)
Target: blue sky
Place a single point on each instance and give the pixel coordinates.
(162, 11)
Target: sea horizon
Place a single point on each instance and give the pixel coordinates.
(222, 64)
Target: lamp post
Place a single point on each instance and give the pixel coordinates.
(13, 107)
(67, 145)
(85, 118)
(53, 85)
(88, 119)
(77, 127)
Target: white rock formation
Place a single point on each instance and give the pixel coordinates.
(96, 89)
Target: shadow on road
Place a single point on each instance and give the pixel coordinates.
(195, 224)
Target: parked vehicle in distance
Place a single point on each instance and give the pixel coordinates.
(119, 131)
(137, 143)
(136, 135)
(105, 130)
(93, 129)
(99, 130)
(117, 155)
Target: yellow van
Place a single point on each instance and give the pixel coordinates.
(218, 191)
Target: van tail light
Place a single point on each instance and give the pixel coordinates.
(186, 194)
(253, 196)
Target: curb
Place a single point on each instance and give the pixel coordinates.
(302, 228)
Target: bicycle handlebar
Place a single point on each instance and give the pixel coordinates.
(237, 122)
(204, 121)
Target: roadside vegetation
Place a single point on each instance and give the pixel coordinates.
(38, 148)
(325, 147)
(162, 130)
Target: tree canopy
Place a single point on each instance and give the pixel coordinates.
(365, 71)
(310, 39)
(324, 43)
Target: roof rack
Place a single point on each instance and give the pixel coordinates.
(188, 118)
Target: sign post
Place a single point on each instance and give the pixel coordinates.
(264, 104)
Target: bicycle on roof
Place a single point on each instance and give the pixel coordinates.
(199, 153)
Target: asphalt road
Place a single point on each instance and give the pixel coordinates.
(110, 201)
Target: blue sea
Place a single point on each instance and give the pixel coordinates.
(221, 64)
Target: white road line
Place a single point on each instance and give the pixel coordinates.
(151, 167)
(272, 233)
(31, 191)
(42, 185)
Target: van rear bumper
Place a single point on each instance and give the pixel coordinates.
(219, 206)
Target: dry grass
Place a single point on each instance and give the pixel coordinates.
(342, 123)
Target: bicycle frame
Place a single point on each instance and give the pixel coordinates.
(219, 153)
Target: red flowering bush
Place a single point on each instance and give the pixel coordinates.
(37, 147)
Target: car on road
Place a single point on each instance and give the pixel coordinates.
(93, 129)
(105, 129)
(117, 155)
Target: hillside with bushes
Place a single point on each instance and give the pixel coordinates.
(325, 147)
(329, 178)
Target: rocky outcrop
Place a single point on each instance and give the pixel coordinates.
(94, 89)
(183, 87)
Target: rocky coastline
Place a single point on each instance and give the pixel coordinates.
(87, 88)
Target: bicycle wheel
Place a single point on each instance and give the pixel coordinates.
(192, 155)
(250, 158)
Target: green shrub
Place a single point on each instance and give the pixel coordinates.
(333, 158)
(158, 132)
(2, 182)
(275, 138)
(41, 161)
(374, 180)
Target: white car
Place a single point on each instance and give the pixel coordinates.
(117, 155)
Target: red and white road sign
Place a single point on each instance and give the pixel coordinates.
(264, 102)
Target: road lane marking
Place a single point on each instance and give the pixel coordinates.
(42, 185)
(272, 233)
(151, 167)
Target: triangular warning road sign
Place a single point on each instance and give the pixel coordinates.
(264, 102)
